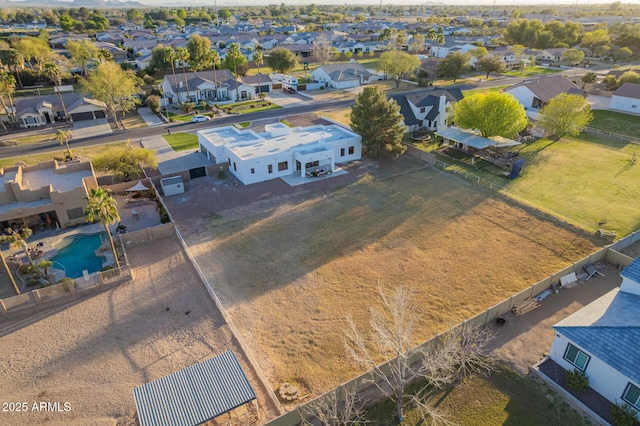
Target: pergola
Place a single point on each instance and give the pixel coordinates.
(194, 395)
(464, 140)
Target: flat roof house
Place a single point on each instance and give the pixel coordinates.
(279, 151)
(45, 194)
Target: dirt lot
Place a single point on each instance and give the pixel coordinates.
(92, 353)
(290, 266)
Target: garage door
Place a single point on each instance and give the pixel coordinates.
(197, 172)
(100, 114)
(276, 86)
(82, 116)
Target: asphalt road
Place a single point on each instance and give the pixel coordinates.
(133, 135)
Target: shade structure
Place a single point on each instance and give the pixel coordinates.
(195, 394)
(138, 187)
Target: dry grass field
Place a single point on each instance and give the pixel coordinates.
(290, 271)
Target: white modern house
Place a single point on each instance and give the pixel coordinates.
(626, 98)
(280, 150)
(603, 340)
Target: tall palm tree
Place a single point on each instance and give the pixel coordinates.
(54, 73)
(63, 137)
(101, 206)
(259, 60)
(214, 56)
(172, 56)
(7, 87)
(183, 56)
(234, 52)
(4, 239)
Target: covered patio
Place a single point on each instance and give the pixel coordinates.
(196, 394)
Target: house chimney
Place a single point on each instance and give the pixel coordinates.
(442, 112)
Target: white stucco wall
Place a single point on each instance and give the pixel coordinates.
(523, 95)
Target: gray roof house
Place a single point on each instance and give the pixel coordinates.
(534, 93)
(423, 109)
(626, 98)
(218, 86)
(603, 341)
(342, 76)
(39, 111)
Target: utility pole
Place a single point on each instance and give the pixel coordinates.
(215, 8)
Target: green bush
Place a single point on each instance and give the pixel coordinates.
(24, 269)
(221, 173)
(67, 283)
(576, 380)
(32, 282)
(624, 415)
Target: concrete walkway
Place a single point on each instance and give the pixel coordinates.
(89, 128)
(150, 117)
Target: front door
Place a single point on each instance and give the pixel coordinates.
(47, 117)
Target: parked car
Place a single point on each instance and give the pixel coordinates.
(200, 118)
(289, 90)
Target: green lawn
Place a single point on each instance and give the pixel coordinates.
(582, 180)
(29, 139)
(531, 71)
(182, 141)
(615, 122)
(84, 152)
(504, 398)
(484, 90)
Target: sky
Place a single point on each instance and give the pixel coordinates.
(223, 3)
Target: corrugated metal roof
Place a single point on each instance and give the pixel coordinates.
(195, 394)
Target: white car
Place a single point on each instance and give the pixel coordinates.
(200, 118)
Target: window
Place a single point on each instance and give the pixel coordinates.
(270, 168)
(341, 152)
(284, 165)
(229, 160)
(576, 357)
(422, 110)
(76, 213)
(311, 164)
(632, 395)
(352, 150)
(253, 170)
(234, 167)
(634, 106)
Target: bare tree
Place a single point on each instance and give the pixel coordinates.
(322, 49)
(453, 357)
(390, 333)
(339, 407)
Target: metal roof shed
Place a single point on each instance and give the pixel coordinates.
(195, 394)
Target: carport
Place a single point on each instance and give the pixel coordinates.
(194, 395)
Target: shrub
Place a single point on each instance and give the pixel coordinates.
(67, 283)
(623, 415)
(576, 380)
(153, 102)
(221, 173)
(148, 79)
(24, 269)
(32, 282)
(106, 268)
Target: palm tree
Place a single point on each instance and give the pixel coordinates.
(7, 87)
(234, 52)
(44, 266)
(214, 56)
(102, 207)
(54, 73)
(172, 56)
(439, 40)
(19, 239)
(63, 137)
(259, 60)
(4, 239)
(183, 55)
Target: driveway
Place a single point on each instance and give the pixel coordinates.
(150, 117)
(89, 128)
(286, 100)
(599, 102)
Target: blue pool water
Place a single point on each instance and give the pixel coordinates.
(78, 253)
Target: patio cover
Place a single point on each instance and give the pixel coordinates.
(138, 187)
(473, 140)
(195, 394)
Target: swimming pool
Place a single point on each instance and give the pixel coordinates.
(77, 253)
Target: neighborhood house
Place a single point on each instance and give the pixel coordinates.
(603, 341)
(280, 151)
(45, 195)
(626, 98)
